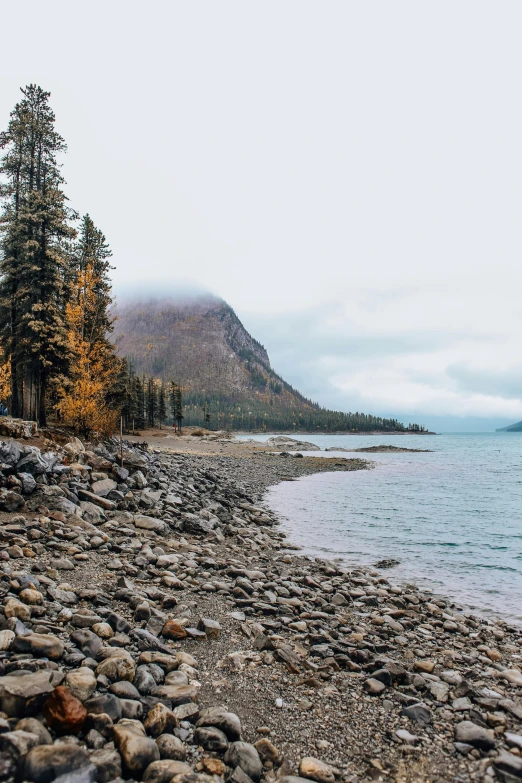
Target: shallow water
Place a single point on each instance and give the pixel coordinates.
(453, 518)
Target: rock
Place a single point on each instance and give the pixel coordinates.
(45, 763)
(173, 630)
(6, 639)
(34, 726)
(374, 687)
(211, 739)
(124, 690)
(17, 428)
(28, 483)
(267, 750)
(405, 736)
(118, 623)
(417, 713)
(506, 762)
(149, 523)
(244, 755)
(211, 628)
(163, 771)
(160, 720)
(97, 500)
(468, 732)
(10, 452)
(64, 713)
(103, 487)
(62, 564)
(31, 596)
(106, 704)
(107, 763)
(17, 743)
(10, 501)
(171, 747)
(39, 645)
(15, 608)
(513, 676)
(314, 769)
(178, 694)
(116, 668)
(136, 749)
(228, 722)
(87, 641)
(424, 666)
(23, 696)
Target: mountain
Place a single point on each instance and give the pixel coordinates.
(512, 428)
(199, 342)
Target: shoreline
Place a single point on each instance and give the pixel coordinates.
(334, 673)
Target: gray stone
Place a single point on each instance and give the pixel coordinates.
(45, 763)
(244, 755)
(468, 732)
(171, 747)
(228, 722)
(107, 762)
(211, 739)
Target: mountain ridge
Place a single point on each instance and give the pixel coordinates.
(199, 342)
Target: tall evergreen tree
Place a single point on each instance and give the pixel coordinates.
(140, 402)
(152, 402)
(35, 228)
(162, 405)
(92, 254)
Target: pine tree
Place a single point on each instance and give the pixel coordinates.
(140, 402)
(35, 228)
(162, 405)
(93, 252)
(179, 406)
(152, 402)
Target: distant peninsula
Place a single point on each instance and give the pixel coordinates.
(511, 428)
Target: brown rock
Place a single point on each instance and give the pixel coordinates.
(160, 720)
(64, 713)
(316, 770)
(424, 666)
(213, 767)
(173, 630)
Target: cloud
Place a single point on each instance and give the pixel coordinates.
(412, 350)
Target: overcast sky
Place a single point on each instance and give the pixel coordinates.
(347, 175)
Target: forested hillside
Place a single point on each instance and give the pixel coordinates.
(200, 343)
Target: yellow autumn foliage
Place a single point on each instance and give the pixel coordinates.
(5, 381)
(94, 369)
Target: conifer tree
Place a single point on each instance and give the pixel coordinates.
(35, 228)
(162, 405)
(140, 402)
(93, 252)
(152, 402)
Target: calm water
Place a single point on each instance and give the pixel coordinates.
(453, 518)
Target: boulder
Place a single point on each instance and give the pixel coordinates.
(150, 523)
(17, 428)
(64, 713)
(45, 763)
(136, 749)
(24, 695)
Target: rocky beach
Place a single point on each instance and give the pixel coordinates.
(156, 625)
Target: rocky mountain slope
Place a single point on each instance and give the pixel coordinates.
(200, 343)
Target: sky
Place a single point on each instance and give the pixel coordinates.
(347, 175)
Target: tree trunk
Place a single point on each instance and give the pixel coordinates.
(42, 413)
